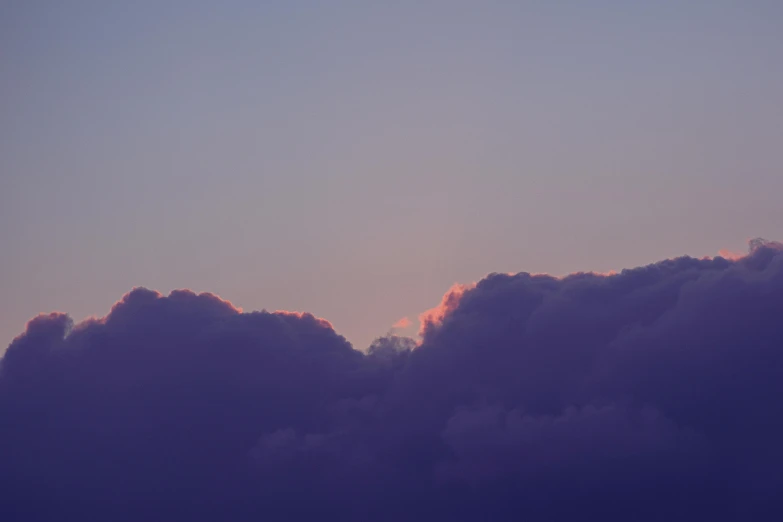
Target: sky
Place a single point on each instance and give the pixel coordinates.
(356, 159)
(310, 260)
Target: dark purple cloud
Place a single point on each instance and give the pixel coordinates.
(652, 394)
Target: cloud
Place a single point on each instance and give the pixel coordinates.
(402, 324)
(434, 316)
(648, 394)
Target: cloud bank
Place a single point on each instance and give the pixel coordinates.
(650, 394)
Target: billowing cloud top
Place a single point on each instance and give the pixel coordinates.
(651, 394)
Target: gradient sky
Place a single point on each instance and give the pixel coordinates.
(354, 159)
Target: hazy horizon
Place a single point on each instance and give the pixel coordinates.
(405, 326)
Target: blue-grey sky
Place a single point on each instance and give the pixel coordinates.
(354, 159)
